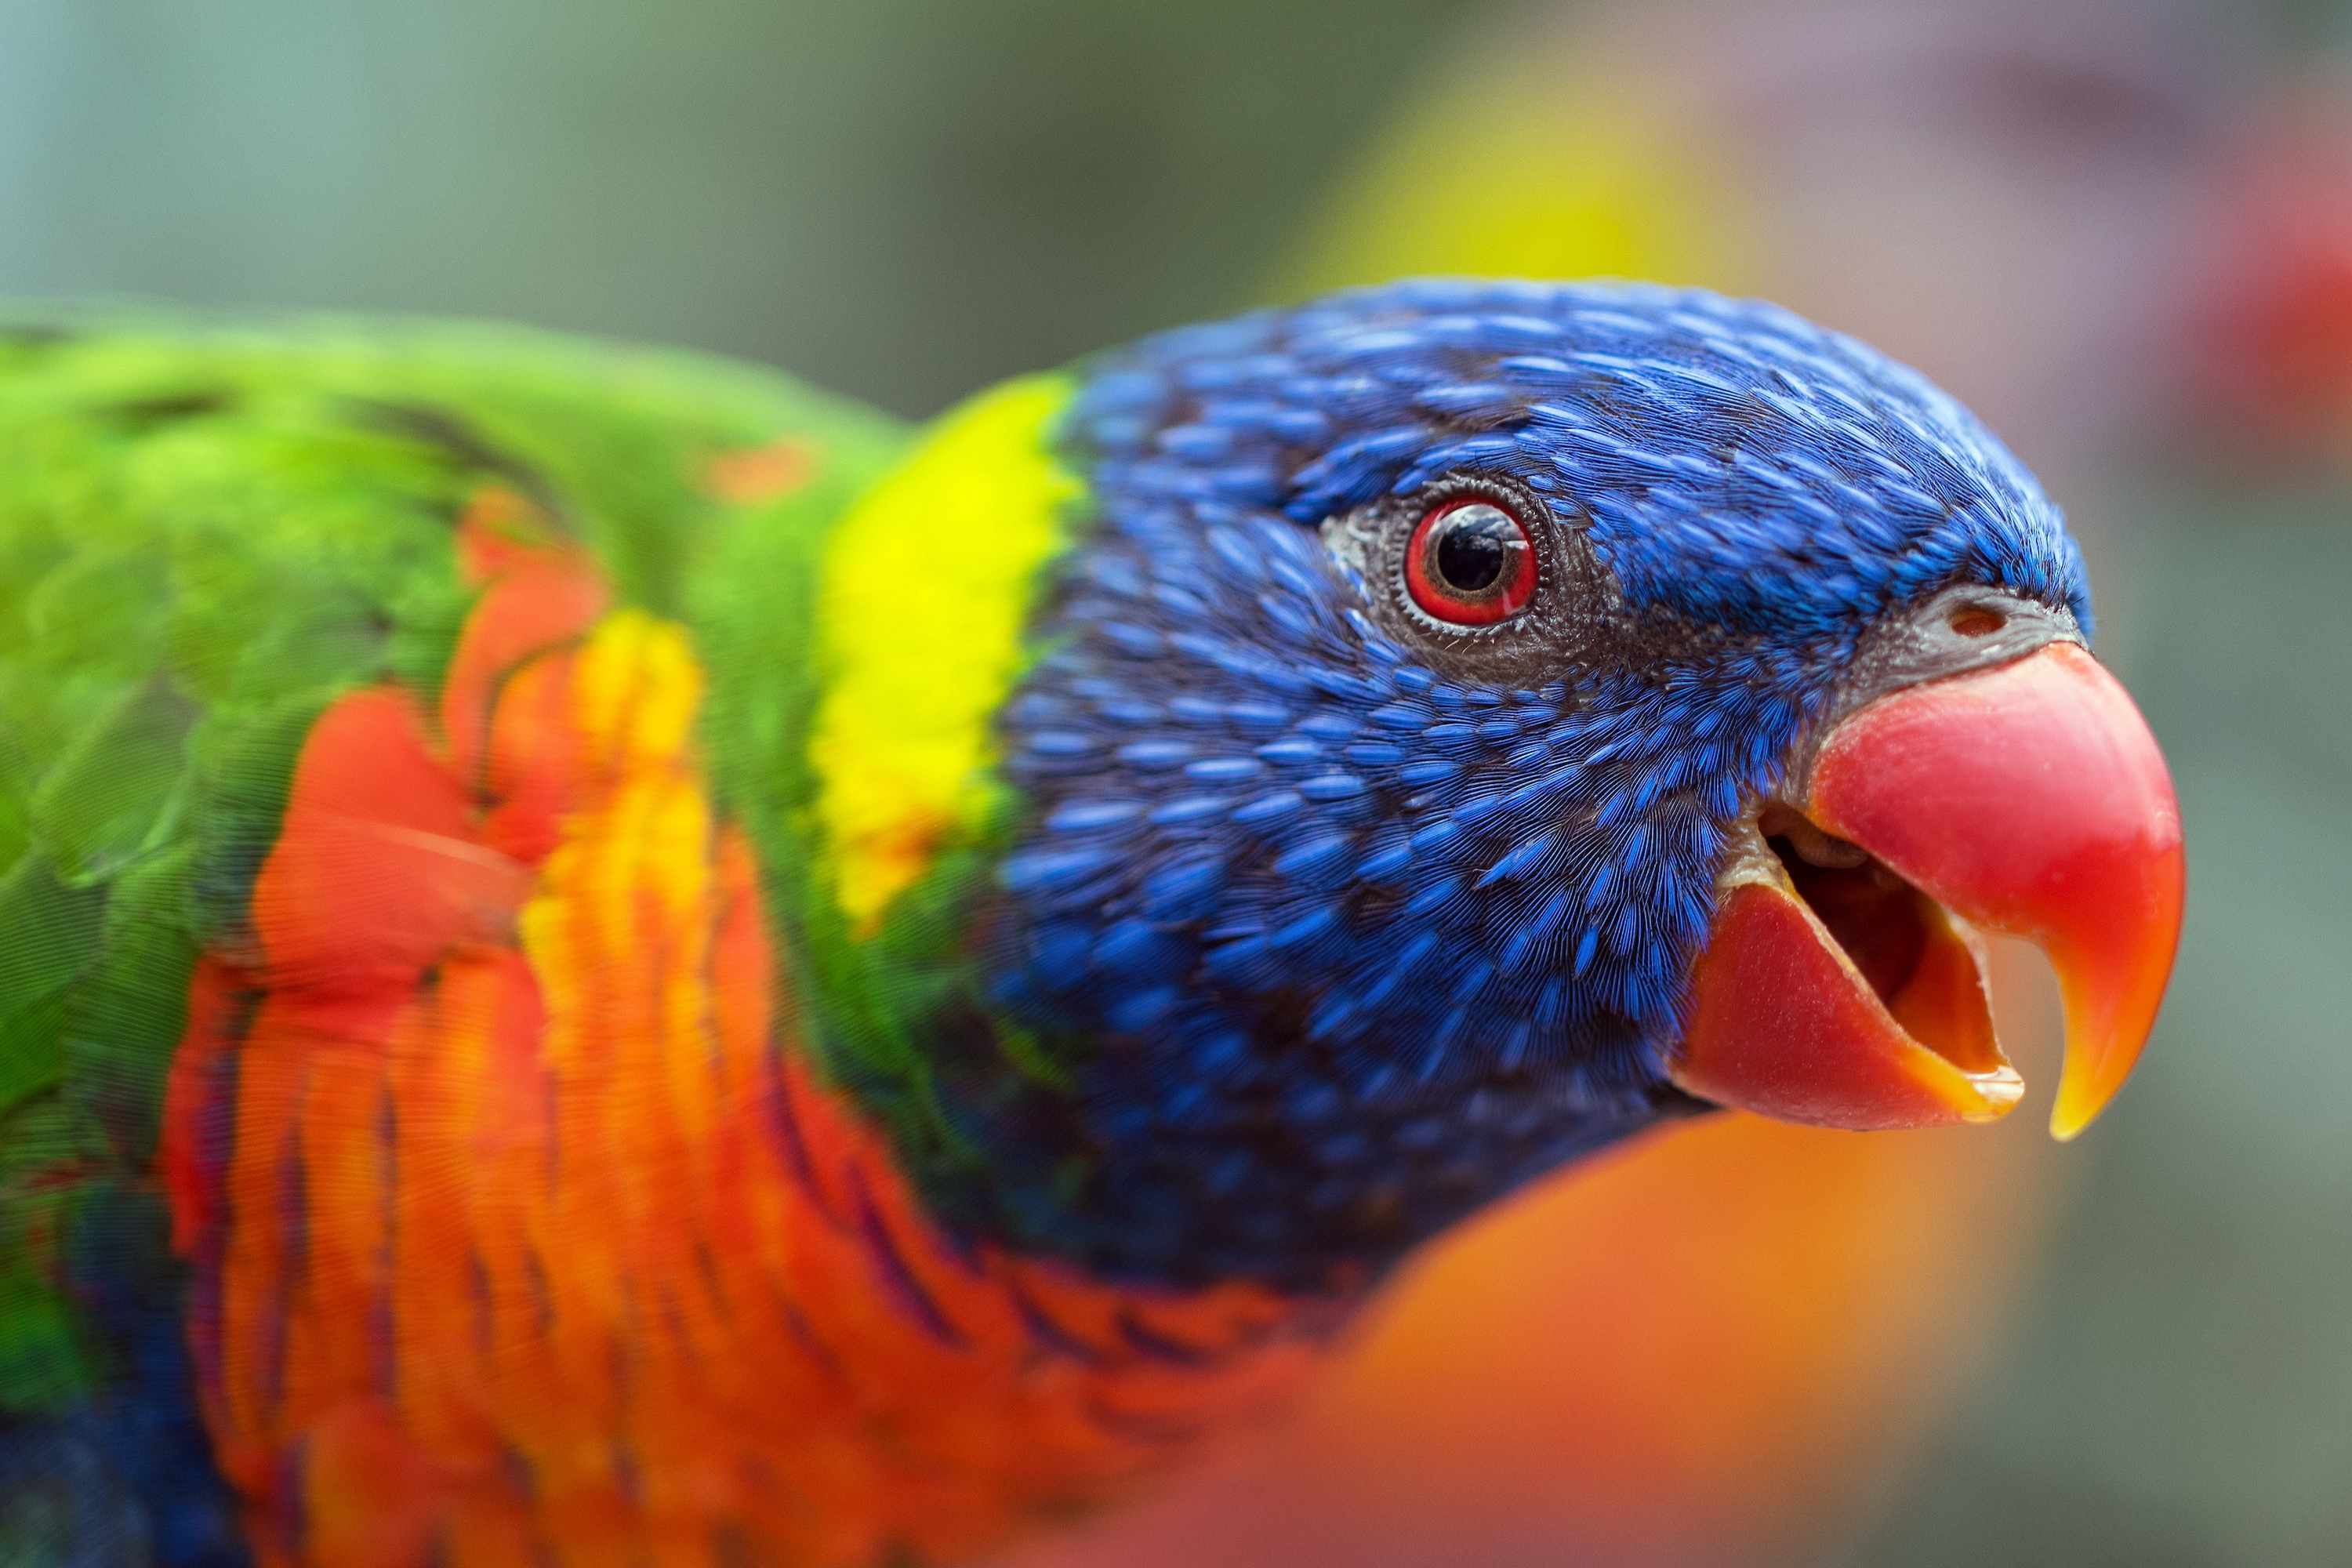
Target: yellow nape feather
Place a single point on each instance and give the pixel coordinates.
(927, 584)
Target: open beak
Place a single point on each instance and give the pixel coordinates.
(1842, 982)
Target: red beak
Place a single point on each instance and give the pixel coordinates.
(1842, 984)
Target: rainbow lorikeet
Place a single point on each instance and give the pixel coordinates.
(608, 959)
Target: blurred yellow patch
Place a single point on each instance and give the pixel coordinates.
(1528, 173)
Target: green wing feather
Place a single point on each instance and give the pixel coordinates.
(207, 530)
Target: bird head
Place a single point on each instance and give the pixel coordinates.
(1468, 722)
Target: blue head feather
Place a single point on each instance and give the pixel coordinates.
(1343, 924)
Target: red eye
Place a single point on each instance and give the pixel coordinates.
(1470, 562)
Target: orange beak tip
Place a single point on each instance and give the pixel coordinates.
(2000, 1091)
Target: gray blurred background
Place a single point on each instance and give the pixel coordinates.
(904, 199)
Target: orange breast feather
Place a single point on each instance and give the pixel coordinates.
(523, 1231)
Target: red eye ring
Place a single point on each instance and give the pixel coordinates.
(1470, 562)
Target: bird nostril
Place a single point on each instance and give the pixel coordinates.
(1976, 621)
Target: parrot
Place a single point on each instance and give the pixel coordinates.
(611, 958)
(1749, 1391)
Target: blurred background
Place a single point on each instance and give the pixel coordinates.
(2122, 229)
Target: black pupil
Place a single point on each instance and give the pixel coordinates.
(1473, 548)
